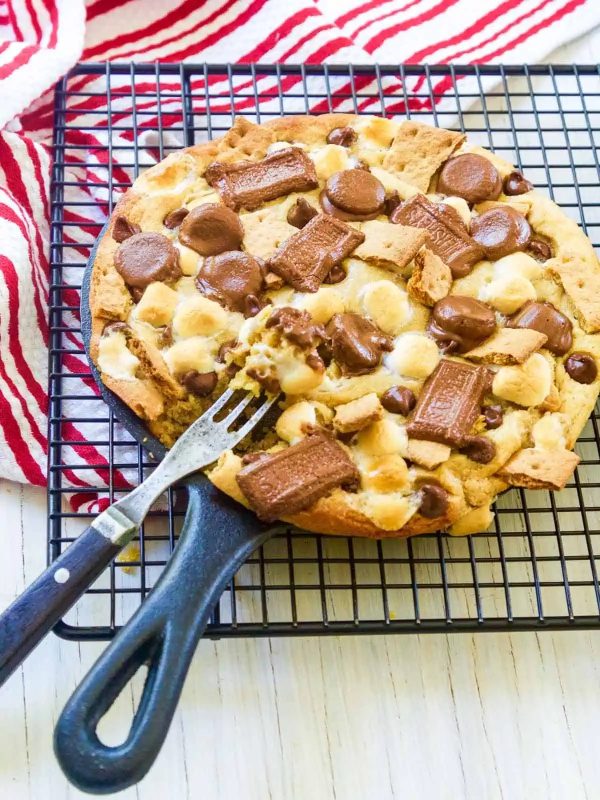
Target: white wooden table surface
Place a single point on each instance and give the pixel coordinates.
(484, 716)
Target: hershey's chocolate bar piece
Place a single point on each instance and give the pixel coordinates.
(248, 184)
(293, 479)
(305, 259)
(449, 403)
(449, 240)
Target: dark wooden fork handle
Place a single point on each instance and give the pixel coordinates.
(163, 634)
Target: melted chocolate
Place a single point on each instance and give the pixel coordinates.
(268, 380)
(175, 218)
(516, 183)
(399, 400)
(479, 449)
(501, 231)
(249, 184)
(293, 479)
(356, 344)
(301, 213)
(449, 403)
(199, 383)
(471, 177)
(546, 319)
(459, 324)
(448, 240)
(539, 249)
(581, 367)
(304, 260)
(210, 229)
(493, 416)
(234, 280)
(147, 257)
(335, 275)
(297, 326)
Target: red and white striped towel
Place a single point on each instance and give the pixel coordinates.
(41, 39)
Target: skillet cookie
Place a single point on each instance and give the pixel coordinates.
(430, 320)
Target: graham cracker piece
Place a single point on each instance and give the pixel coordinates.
(534, 468)
(418, 151)
(357, 414)
(427, 454)
(431, 278)
(389, 246)
(581, 282)
(508, 346)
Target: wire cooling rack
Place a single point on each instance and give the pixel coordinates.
(537, 566)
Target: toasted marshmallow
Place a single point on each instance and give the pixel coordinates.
(197, 316)
(157, 305)
(387, 305)
(526, 384)
(415, 355)
(114, 357)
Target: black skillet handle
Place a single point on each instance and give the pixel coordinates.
(163, 633)
(34, 613)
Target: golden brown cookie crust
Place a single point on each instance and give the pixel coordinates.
(569, 279)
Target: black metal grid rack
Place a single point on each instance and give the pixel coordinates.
(538, 565)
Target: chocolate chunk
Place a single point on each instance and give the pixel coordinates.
(343, 136)
(459, 324)
(297, 326)
(249, 184)
(336, 274)
(479, 449)
(175, 218)
(210, 229)
(448, 240)
(301, 213)
(493, 416)
(305, 258)
(546, 319)
(516, 183)
(147, 257)
(234, 280)
(399, 400)
(392, 201)
(199, 383)
(539, 249)
(123, 229)
(293, 479)
(434, 501)
(581, 367)
(268, 380)
(356, 344)
(449, 403)
(501, 231)
(353, 194)
(472, 177)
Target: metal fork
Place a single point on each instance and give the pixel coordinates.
(55, 591)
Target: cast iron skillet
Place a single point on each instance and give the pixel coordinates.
(218, 535)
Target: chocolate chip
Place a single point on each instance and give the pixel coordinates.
(147, 257)
(581, 367)
(210, 229)
(547, 319)
(479, 449)
(234, 279)
(165, 338)
(493, 416)
(434, 501)
(539, 249)
(501, 231)
(357, 344)
(353, 194)
(335, 275)
(175, 218)
(343, 136)
(225, 348)
(136, 293)
(301, 213)
(516, 183)
(392, 201)
(399, 400)
(470, 176)
(267, 380)
(199, 383)
(459, 324)
(123, 229)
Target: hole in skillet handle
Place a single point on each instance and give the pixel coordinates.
(217, 536)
